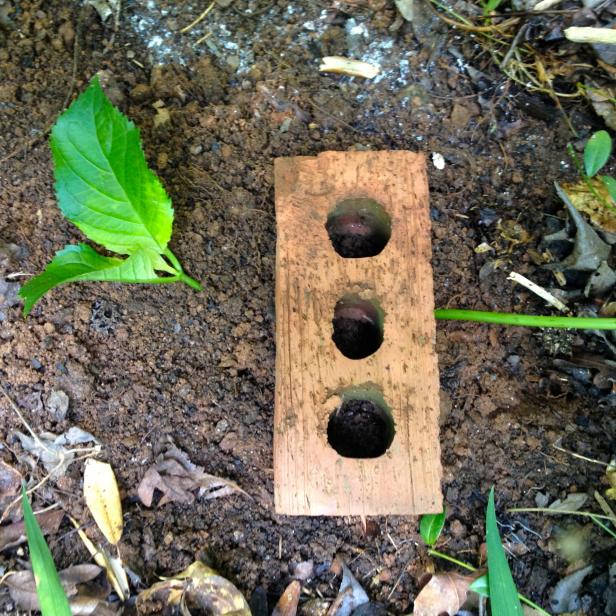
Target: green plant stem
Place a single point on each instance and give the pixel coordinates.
(468, 567)
(182, 276)
(587, 514)
(587, 180)
(451, 559)
(607, 529)
(524, 320)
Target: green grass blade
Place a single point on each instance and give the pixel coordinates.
(503, 593)
(431, 526)
(48, 586)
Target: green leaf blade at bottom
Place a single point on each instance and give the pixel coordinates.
(503, 593)
(51, 595)
(80, 262)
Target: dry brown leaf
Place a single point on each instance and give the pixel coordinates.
(288, 602)
(23, 589)
(102, 496)
(585, 202)
(177, 478)
(602, 99)
(15, 534)
(445, 593)
(198, 588)
(10, 481)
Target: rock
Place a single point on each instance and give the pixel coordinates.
(303, 571)
(57, 404)
(67, 33)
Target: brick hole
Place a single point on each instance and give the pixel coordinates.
(361, 427)
(358, 227)
(358, 327)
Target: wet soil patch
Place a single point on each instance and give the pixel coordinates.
(360, 429)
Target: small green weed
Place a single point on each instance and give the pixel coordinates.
(106, 189)
(51, 595)
(497, 584)
(597, 152)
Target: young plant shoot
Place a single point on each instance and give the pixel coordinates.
(51, 595)
(105, 188)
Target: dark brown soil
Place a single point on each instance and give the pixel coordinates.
(357, 331)
(359, 429)
(141, 364)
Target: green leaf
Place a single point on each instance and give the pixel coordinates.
(431, 526)
(610, 184)
(489, 6)
(503, 594)
(80, 263)
(597, 151)
(105, 188)
(103, 183)
(48, 586)
(481, 586)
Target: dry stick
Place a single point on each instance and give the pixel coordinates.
(557, 446)
(538, 290)
(199, 19)
(516, 39)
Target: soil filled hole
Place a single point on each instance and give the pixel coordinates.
(360, 429)
(358, 228)
(358, 327)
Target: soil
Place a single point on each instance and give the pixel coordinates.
(144, 364)
(359, 429)
(357, 332)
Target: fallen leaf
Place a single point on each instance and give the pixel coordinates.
(23, 589)
(406, 9)
(602, 99)
(564, 596)
(589, 249)
(104, 8)
(51, 451)
(197, 587)
(288, 602)
(445, 593)
(177, 478)
(585, 201)
(102, 496)
(113, 566)
(573, 502)
(14, 534)
(350, 595)
(10, 481)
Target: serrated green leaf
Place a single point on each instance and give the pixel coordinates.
(610, 183)
(80, 263)
(503, 594)
(481, 586)
(103, 183)
(431, 526)
(597, 152)
(49, 589)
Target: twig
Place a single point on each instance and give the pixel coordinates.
(203, 38)
(557, 446)
(199, 19)
(537, 290)
(516, 39)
